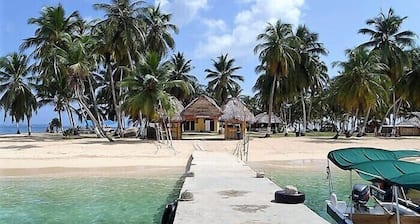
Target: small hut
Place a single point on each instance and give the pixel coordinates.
(201, 115)
(235, 117)
(175, 120)
(410, 126)
(261, 121)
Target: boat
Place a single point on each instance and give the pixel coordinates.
(395, 169)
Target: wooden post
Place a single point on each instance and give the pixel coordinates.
(225, 131)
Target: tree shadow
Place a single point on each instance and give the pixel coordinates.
(18, 147)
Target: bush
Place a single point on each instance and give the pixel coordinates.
(70, 132)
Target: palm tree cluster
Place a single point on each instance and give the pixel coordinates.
(122, 66)
(98, 70)
(290, 68)
(378, 76)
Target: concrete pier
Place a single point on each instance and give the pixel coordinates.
(226, 190)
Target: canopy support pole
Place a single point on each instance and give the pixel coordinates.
(351, 201)
(395, 189)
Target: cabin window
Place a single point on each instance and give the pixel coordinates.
(189, 126)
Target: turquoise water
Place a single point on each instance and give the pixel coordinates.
(86, 200)
(135, 200)
(313, 182)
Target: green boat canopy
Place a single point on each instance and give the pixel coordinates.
(402, 173)
(378, 164)
(345, 158)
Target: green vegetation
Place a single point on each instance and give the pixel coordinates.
(120, 66)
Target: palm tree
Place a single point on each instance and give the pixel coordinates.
(223, 79)
(309, 71)
(180, 69)
(56, 94)
(123, 30)
(79, 61)
(158, 37)
(387, 39)
(408, 85)
(148, 88)
(121, 36)
(359, 86)
(262, 89)
(15, 88)
(276, 54)
(252, 103)
(54, 31)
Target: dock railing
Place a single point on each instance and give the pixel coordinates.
(242, 148)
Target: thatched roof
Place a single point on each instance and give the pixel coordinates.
(415, 114)
(234, 109)
(202, 106)
(263, 118)
(178, 108)
(412, 122)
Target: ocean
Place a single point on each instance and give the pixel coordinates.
(40, 200)
(133, 200)
(11, 129)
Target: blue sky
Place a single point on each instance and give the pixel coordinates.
(209, 28)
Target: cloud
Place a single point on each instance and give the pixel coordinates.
(240, 40)
(183, 11)
(215, 25)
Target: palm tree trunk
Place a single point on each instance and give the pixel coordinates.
(363, 132)
(95, 103)
(353, 125)
(393, 133)
(270, 104)
(387, 113)
(61, 121)
(302, 99)
(70, 114)
(346, 123)
(17, 127)
(398, 112)
(29, 125)
(98, 129)
(114, 98)
(309, 119)
(130, 60)
(119, 106)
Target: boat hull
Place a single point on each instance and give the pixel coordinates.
(338, 213)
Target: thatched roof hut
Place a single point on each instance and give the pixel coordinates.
(202, 114)
(202, 106)
(175, 119)
(411, 122)
(409, 126)
(262, 118)
(235, 110)
(178, 108)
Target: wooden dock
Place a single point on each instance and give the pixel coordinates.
(225, 190)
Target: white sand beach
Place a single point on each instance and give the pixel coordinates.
(45, 154)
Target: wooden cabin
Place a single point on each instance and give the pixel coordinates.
(235, 116)
(175, 120)
(409, 126)
(201, 115)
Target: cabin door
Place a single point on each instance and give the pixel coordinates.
(207, 125)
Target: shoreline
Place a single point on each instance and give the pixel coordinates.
(106, 172)
(53, 155)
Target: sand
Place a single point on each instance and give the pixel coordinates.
(47, 154)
